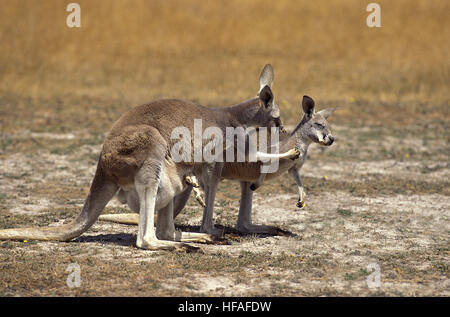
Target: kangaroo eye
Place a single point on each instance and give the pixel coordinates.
(319, 126)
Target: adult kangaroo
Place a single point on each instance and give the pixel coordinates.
(313, 127)
(136, 158)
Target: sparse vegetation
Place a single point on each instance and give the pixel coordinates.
(345, 212)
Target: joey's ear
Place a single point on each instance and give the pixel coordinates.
(327, 112)
(266, 77)
(266, 97)
(308, 105)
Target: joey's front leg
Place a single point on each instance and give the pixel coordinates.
(295, 174)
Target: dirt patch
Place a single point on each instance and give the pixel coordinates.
(385, 212)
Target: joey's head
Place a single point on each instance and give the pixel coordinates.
(268, 113)
(314, 126)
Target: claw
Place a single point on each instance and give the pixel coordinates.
(192, 180)
(220, 241)
(301, 204)
(281, 232)
(295, 155)
(198, 197)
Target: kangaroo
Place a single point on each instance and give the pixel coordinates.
(136, 161)
(312, 128)
(209, 185)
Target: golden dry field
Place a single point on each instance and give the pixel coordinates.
(380, 194)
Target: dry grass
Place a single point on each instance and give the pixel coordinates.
(130, 52)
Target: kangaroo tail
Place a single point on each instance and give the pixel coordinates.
(102, 191)
(128, 219)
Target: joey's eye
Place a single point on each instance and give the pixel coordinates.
(319, 126)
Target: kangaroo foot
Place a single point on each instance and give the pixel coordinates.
(301, 204)
(156, 245)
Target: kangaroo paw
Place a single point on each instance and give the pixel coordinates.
(295, 154)
(301, 204)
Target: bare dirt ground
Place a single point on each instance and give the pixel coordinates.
(378, 197)
(390, 211)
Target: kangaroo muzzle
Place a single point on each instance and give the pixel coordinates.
(329, 139)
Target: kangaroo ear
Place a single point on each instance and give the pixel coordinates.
(308, 105)
(327, 112)
(266, 97)
(266, 77)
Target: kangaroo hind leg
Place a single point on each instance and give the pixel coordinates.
(147, 182)
(165, 228)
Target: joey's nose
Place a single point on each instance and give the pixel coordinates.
(331, 138)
